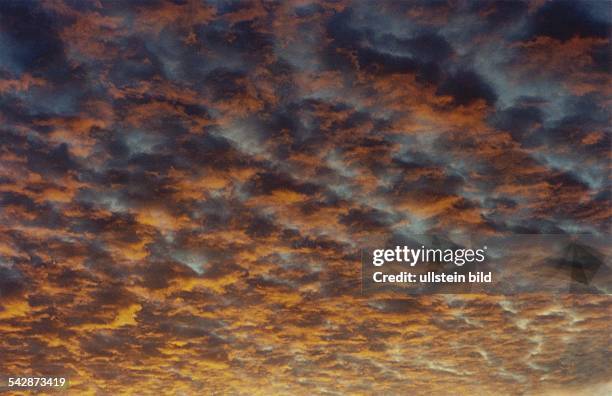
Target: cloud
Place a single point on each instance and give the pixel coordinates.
(563, 20)
(185, 187)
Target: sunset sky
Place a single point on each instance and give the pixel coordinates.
(185, 188)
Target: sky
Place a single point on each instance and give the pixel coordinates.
(185, 187)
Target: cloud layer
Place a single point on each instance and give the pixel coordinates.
(185, 187)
